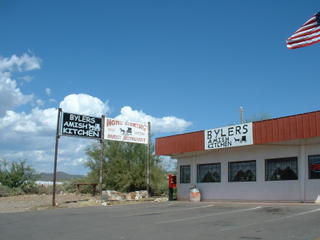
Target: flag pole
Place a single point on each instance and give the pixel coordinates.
(56, 159)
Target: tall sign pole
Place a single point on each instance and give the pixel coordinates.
(148, 159)
(74, 125)
(102, 155)
(56, 159)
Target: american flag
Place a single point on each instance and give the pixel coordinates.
(307, 35)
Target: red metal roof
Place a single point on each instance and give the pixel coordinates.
(300, 126)
(182, 143)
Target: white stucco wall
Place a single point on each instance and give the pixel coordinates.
(303, 189)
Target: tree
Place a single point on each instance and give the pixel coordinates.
(16, 174)
(125, 167)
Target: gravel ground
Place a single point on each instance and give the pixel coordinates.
(22, 203)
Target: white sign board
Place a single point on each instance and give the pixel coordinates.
(231, 136)
(133, 132)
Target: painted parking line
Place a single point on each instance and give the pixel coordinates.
(296, 214)
(207, 215)
(165, 211)
(272, 220)
(133, 206)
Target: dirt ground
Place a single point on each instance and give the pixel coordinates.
(22, 203)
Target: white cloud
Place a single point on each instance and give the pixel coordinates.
(158, 125)
(10, 94)
(84, 104)
(37, 122)
(39, 102)
(170, 164)
(25, 62)
(27, 78)
(48, 91)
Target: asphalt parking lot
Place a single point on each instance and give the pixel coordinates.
(167, 220)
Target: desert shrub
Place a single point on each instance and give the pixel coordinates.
(17, 191)
(5, 191)
(30, 187)
(16, 174)
(71, 187)
(47, 189)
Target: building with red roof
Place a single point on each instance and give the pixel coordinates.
(270, 160)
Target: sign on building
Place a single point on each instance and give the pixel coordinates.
(133, 132)
(80, 125)
(231, 136)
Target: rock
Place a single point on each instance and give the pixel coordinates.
(163, 199)
(111, 195)
(143, 194)
(131, 196)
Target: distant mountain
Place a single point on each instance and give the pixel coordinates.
(61, 176)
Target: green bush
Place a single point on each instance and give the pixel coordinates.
(18, 177)
(124, 167)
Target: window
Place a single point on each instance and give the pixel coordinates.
(281, 169)
(209, 172)
(314, 167)
(242, 171)
(185, 174)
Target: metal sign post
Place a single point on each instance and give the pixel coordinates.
(56, 159)
(148, 159)
(102, 156)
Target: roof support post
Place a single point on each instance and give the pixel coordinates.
(302, 163)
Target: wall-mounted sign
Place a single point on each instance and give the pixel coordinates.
(231, 136)
(118, 130)
(80, 125)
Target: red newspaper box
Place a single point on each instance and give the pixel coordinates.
(172, 181)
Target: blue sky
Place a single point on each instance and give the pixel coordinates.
(196, 61)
